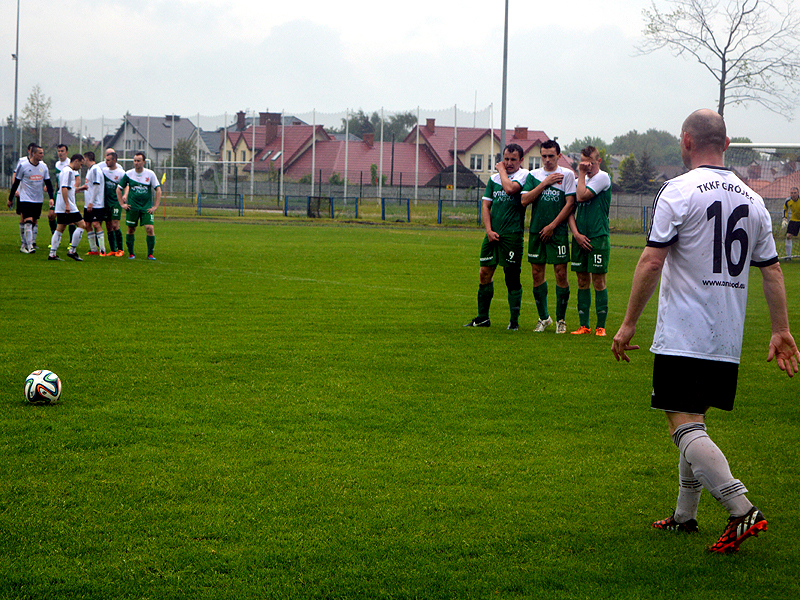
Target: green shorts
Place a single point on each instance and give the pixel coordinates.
(594, 260)
(555, 251)
(506, 252)
(113, 212)
(134, 217)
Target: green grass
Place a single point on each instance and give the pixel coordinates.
(278, 410)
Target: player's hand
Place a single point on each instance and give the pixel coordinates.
(152, 211)
(784, 223)
(554, 178)
(583, 241)
(622, 342)
(584, 167)
(546, 233)
(501, 167)
(783, 348)
(10, 201)
(493, 236)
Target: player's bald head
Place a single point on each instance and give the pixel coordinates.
(707, 129)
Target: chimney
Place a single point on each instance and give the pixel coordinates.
(270, 131)
(369, 139)
(241, 122)
(521, 133)
(430, 125)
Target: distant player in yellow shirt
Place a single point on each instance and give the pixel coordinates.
(791, 219)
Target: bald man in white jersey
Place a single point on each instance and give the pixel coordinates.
(708, 229)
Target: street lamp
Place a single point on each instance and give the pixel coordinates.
(15, 56)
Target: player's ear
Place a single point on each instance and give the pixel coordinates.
(727, 143)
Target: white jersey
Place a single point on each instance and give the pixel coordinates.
(568, 185)
(61, 165)
(716, 228)
(66, 179)
(31, 180)
(95, 193)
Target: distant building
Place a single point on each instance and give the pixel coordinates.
(155, 136)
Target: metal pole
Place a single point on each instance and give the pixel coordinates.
(455, 152)
(380, 168)
(505, 78)
(283, 138)
(346, 148)
(313, 149)
(16, 90)
(416, 163)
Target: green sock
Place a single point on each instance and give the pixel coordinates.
(562, 301)
(129, 238)
(515, 304)
(601, 306)
(540, 295)
(112, 242)
(485, 295)
(118, 235)
(584, 303)
(151, 244)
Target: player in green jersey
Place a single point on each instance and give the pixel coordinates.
(135, 194)
(504, 220)
(551, 191)
(791, 219)
(591, 247)
(112, 175)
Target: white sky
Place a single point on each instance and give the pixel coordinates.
(573, 71)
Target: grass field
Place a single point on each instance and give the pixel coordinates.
(293, 410)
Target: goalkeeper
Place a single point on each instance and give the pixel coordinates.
(791, 219)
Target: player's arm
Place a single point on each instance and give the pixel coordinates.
(65, 197)
(510, 187)
(782, 346)
(547, 231)
(645, 281)
(13, 191)
(50, 191)
(122, 195)
(530, 196)
(486, 215)
(157, 202)
(583, 240)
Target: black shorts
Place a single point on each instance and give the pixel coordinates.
(793, 228)
(96, 214)
(691, 385)
(29, 210)
(68, 218)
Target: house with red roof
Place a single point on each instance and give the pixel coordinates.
(306, 148)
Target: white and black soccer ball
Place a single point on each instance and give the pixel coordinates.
(42, 387)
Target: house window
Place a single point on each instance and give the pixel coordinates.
(127, 144)
(229, 156)
(244, 157)
(534, 162)
(476, 162)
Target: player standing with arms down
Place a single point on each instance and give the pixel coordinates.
(708, 229)
(31, 178)
(23, 244)
(94, 212)
(504, 219)
(112, 175)
(135, 193)
(791, 218)
(552, 188)
(591, 247)
(67, 210)
(63, 161)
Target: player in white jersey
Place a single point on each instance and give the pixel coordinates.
(708, 229)
(94, 212)
(23, 160)
(31, 178)
(67, 210)
(63, 161)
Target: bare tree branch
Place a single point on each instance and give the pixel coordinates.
(750, 47)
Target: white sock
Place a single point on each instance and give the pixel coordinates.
(22, 233)
(28, 235)
(35, 232)
(55, 242)
(76, 239)
(689, 489)
(101, 241)
(710, 466)
(788, 247)
(92, 241)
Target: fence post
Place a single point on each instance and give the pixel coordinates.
(357, 203)
(383, 209)
(332, 215)
(439, 215)
(199, 202)
(408, 203)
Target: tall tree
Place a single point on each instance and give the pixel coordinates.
(399, 125)
(580, 144)
(663, 147)
(36, 113)
(629, 174)
(750, 47)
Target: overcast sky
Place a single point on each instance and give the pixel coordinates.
(572, 71)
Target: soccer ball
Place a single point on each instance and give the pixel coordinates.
(42, 387)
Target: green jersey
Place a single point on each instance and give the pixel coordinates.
(591, 217)
(141, 188)
(508, 214)
(552, 199)
(111, 179)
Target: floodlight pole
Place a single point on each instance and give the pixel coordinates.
(505, 78)
(17, 137)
